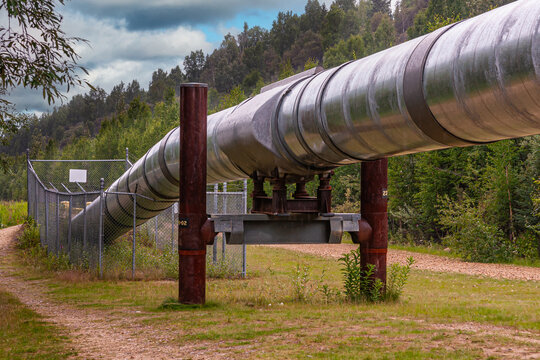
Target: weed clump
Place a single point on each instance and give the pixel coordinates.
(221, 269)
(361, 285)
(29, 237)
(396, 279)
(36, 255)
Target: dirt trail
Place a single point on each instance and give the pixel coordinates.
(94, 334)
(428, 262)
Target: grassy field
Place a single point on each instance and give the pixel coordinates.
(440, 316)
(24, 335)
(12, 213)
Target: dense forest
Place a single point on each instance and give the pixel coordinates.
(480, 201)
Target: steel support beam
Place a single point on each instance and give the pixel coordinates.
(296, 228)
(373, 207)
(194, 228)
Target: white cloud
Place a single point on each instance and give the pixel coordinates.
(111, 41)
(116, 54)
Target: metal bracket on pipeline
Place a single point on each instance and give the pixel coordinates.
(207, 231)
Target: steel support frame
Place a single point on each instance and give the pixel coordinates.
(301, 202)
(195, 230)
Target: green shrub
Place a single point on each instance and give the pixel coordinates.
(528, 245)
(470, 236)
(29, 237)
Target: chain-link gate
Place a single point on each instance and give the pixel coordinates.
(149, 250)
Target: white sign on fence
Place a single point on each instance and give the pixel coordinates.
(77, 175)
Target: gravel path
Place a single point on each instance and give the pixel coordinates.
(94, 334)
(427, 262)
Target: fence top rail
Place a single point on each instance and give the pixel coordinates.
(128, 193)
(88, 160)
(225, 193)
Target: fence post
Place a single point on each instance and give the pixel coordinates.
(214, 247)
(156, 231)
(47, 219)
(69, 225)
(172, 226)
(134, 239)
(28, 182)
(57, 224)
(100, 241)
(244, 260)
(223, 242)
(127, 158)
(84, 223)
(36, 183)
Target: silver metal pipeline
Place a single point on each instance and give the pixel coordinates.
(469, 83)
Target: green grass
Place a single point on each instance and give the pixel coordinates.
(259, 317)
(12, 213)
(24, 335)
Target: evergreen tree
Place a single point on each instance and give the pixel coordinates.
(331, 26)
(313, 16)
(346, 5)
(380, 6)
(193, 65)
(284, 31)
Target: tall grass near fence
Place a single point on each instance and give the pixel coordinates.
(12, 213)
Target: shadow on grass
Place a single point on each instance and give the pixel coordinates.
(172, 304)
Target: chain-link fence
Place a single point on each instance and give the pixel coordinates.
(147, 248)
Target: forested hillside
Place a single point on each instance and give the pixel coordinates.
(482, 197)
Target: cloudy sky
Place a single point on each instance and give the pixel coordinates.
(129, 39)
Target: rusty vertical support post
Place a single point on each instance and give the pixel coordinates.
(258, 193)
(192, 212)
(279, 196)
(324, 193)
(300, 191)
(374, 199)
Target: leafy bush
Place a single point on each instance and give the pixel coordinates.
(528, 245)
(470, 236)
